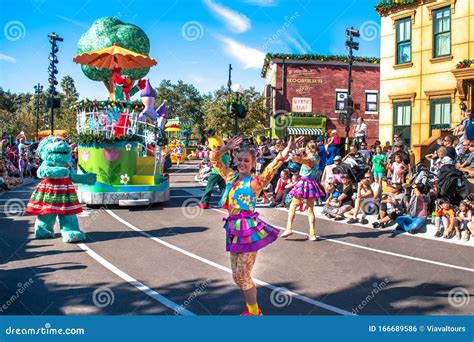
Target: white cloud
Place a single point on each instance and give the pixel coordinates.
(75, 22)
(7, 58)
(249, 57)
(235, 21)
(263, 3)
(295, 38)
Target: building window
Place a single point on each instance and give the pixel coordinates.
(340, 97)
(442, 32)
(402, 120)
(440, 113)
(371, 101)
(403, 40)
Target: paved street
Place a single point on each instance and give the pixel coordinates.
(171, 257)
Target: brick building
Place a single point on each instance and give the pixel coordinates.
(316, 86)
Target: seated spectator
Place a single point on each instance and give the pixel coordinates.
(331, 195)
(291, 184)
(468, 165)
(444, 219)
(417, 212)
(328, 174)
(334, 138)
(442, 160)
(391, 207)
(343, 203)
(448, 142)
(364, 194)
(281, 190)
(463, 217)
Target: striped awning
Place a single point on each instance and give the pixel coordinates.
(304, 131)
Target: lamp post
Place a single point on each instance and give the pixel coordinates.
(351, 33)
(237, 89)
(38, 91)
(53, 60)
(234, 106)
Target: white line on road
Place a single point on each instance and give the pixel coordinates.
(376, 250)
(132, 281)
(228, 270)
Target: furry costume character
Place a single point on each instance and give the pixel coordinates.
(55, 196)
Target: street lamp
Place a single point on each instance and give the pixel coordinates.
(236, 109)
(351, 33)
(53, 102)
(38, 91)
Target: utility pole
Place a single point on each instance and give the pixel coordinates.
(230, 109)
(38, 91)
(348, 102)
(52, 101)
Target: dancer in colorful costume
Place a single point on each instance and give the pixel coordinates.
(306, 189)
(55, 196)
(245, 232)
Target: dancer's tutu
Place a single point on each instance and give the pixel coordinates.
(307, 188)
(245, 233)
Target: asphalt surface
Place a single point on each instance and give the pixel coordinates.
(170, 258)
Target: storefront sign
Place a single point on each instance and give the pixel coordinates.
(302, 104)
(306, 80)
(303, 90)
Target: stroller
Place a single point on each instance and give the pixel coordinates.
(452, 184)
(356, 173)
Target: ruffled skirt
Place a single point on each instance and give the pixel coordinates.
(307, 188)
(246, 233)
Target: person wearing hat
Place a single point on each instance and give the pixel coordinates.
(328, 173)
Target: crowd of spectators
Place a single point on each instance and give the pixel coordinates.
(383, 181)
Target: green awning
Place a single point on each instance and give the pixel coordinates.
(304, 131)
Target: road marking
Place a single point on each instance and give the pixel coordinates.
(135, 283)
(376, 250)
(228, 270)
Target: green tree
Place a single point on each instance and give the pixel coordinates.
(66, 116)
(217, 117)
(103, 33)
(184, 101)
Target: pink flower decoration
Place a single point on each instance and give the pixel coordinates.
(111, 154)
(85, 156)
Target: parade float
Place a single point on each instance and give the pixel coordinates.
(178, 133)
(118, 139)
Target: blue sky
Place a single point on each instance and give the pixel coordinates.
(192, 40)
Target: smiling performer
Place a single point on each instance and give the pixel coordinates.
(245, 232)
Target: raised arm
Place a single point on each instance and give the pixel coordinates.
(266, 176)
(215, 157)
